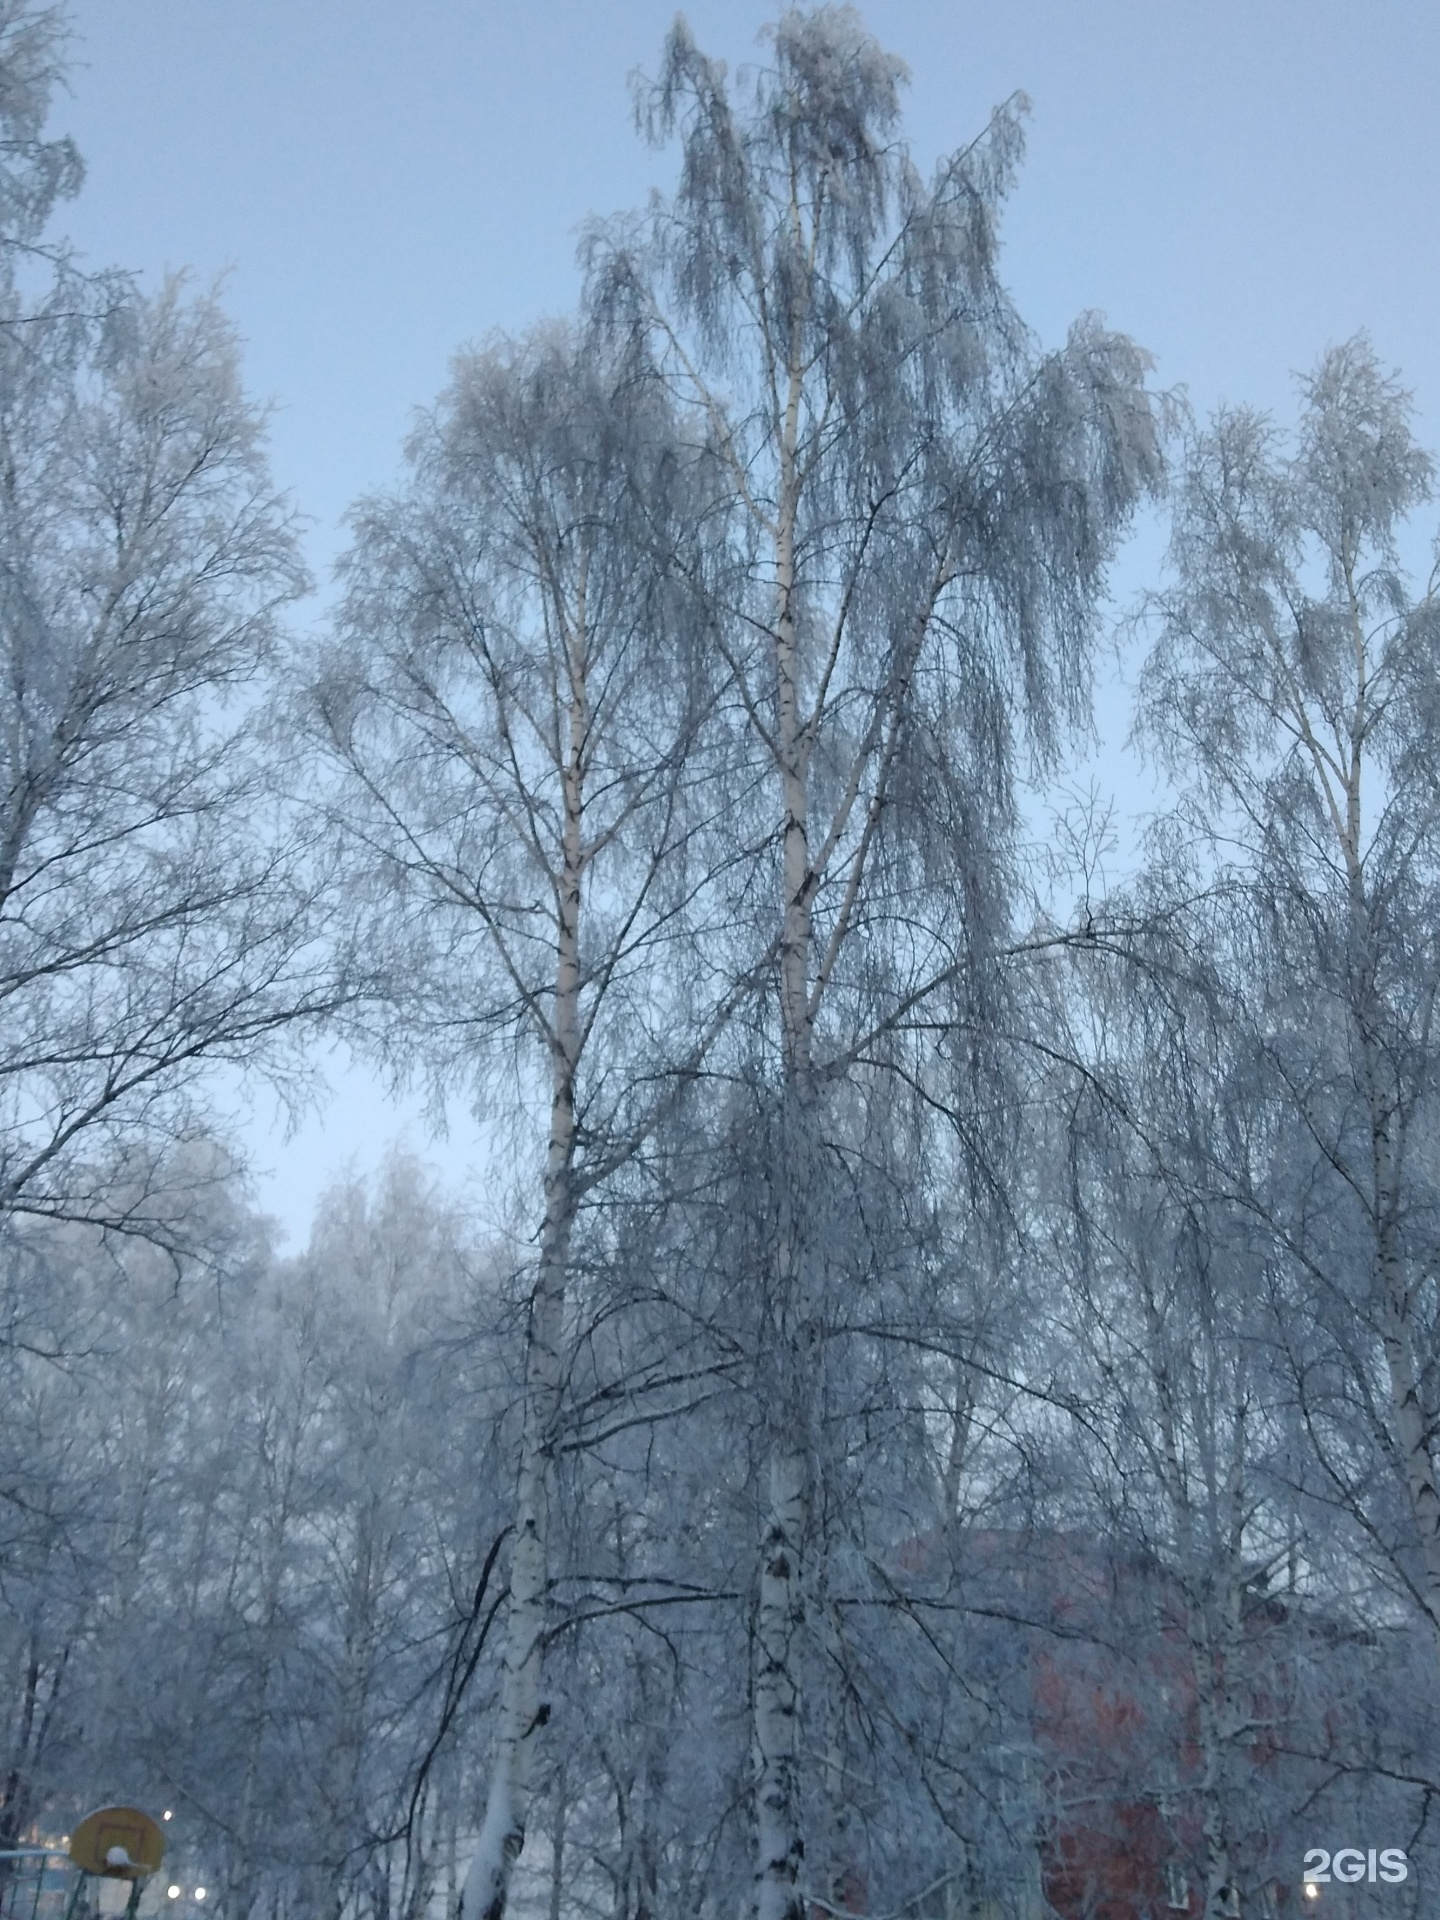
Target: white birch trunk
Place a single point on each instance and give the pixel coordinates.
(1396, 1320)
(804, 971)
(1213, 1713)
(1407, 1412)
(523, 1710)
(780, 1616)
(779, 1623)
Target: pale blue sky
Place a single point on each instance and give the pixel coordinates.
(1236, 183)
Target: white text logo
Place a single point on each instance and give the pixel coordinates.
(1353, 1863)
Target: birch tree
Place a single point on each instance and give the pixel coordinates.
(517, 706)
(154, 910)
(86, 1466)
(1165, 1320)
(1293, 682)
(245, 1554)
(922, 505)
(152, 914)
(35, 172)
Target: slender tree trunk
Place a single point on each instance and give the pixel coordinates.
(1386, 1199)
(1221, 1899)
(779, 1623)
(15, 1799)
(557, 1841)
(961, 1414)
(1411, 1434)
(1408, 1413)
(780, 1617)
(244, 1890)
(1215, 1637)
(523, 1710)
(451, 1829)
(840, 1869)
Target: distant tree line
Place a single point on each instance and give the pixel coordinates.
(952, 1427)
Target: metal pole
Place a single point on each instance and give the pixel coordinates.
(74, 1900)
